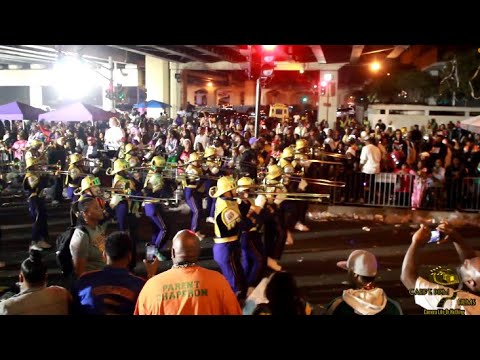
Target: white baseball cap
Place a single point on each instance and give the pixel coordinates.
(361, 262)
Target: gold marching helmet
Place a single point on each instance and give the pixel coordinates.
(88, 182)
(300, 144)
(118, 165)
(209, 152)
(60, 141)
(194, 157)
(224, 185)
(244, 183)
(288, 152)
(158, 162)
(274, 171)
(35, 144)
(31, 162)
(74, 158)
(128, 148)
(156, 181)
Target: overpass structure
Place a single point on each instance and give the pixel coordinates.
(165, 70)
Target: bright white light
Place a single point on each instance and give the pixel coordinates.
(327, 77)
(209, 84)
(269, 47)
(73, 78)
(323, 83)
(375, 66)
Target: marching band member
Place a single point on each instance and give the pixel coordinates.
(279, 221)
(74, 177)
(299, 164)
(290, 207)
(155, 188)
(34, 183)
(133, 162)
(157, 164)
(227, 248)
(192, 196)
(286, 159)
(253, 252)
(125, 186)
(33, 152)
(212, 168)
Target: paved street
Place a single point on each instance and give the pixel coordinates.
(312, 258)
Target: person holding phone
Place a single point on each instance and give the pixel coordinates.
(466, 297)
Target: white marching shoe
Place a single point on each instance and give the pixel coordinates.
(301, 227)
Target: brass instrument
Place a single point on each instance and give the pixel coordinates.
(135, 197)
(319, 161)
(305, 196)
(317, 150)
(313, 181)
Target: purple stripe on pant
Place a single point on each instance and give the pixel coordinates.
(194, 202)
(227, 256)
(158, 226)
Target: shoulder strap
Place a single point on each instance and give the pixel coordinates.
(84, 229)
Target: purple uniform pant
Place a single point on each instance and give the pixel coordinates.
(227, 256)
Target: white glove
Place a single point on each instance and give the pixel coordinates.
(74, 173)
(303, 185)
(115, 201)
(214, 170)
(33, 181)
(260, 201)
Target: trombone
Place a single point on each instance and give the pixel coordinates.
(300, 196)
(135, 197)
(313, 181)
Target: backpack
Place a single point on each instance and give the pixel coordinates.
(63, 254)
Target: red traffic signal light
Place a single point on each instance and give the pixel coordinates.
(268, 60)
(268, 53)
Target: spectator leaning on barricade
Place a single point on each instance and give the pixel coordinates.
(364, 298)
(187, 288)
(35, 298)
(437, 297)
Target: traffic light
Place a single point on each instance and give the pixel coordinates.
(323, 88)
(109, 92)
(268, 60)
(120, 93)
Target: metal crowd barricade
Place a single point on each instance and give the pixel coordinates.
(396, 190)
(470, 194)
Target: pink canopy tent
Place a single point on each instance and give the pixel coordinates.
(78, 112)
(471, 124)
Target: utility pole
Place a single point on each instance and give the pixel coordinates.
(111, 68)
(258, 94)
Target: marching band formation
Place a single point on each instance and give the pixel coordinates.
(253, 214)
